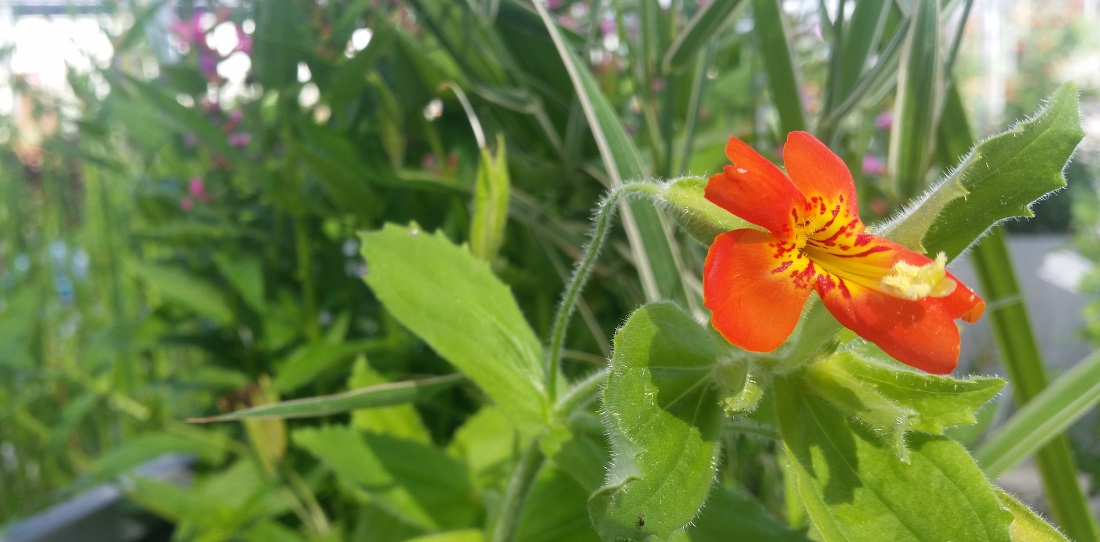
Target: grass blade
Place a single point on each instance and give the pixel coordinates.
(701, 31)
(645, 228)
(783, 81)
(1043, 418)
(916, 112)
(382, 395)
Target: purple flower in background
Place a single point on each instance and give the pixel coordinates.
(208, 64)
(608, 25)
(553, 4)
(884, 121)
(874, 165)
(240, 140)
(187, 204)
(197, 188)
(244, 41)
(190, 32)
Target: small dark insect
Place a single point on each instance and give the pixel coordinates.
(641, 521)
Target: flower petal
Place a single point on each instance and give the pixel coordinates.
(963, 302)
(756, 190)
(920, 334)
(750, 283)
(816, 170)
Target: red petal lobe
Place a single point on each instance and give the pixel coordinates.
(817, 170)
(755, 190)
(919, 333)
(748, 287)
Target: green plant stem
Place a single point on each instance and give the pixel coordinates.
(581, 392)
(604, 213)
(1024, 365)
(518, 488)
(302, 245)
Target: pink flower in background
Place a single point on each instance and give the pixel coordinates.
(190, 32)
(208, 64)
(198, 189)
(187, 204)
(608, 25)
(884, 121)
(233, 120)
(553, 4)
(874, 165)
(244, 41)
(240, 140)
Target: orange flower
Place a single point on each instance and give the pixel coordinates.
(756, 282)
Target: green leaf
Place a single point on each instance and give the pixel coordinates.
(577, 454)
(490, 203)
(185, 289)
(695, 213)
(702, 30)
(663, 420)
(1044, 417)
(279, 43)
(489, 445)
(378, 396)
(1002, 177)
(893, 402)
(554, 511)
(413, 481)
(854, 487)
(313, 360)
(399, 420)
(246, 275)
(209, 447)
(918, 103)
(454, 303)
(729, 512)
(1027, 526)
(466, 535)
(774, 45)
(340, 167)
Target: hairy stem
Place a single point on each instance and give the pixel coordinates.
(604, 213)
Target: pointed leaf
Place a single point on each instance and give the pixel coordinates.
(490, 202)
(1027, 526)
(1002, 177)
(382, 395)
(854, 487)
(452, 301)
(663, 420)
(896, 401)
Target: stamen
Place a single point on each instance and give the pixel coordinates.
(914, 282)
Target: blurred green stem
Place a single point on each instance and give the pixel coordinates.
(1024, 365)
(604, 214)
(302, 245)
(519, 486)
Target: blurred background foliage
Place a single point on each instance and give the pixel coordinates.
(179, 222)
